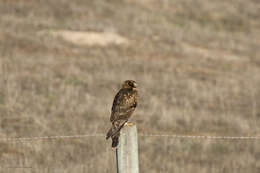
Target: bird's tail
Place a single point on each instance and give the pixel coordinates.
(109, 133)
(114, 134)
(115, 141)
(114, 130)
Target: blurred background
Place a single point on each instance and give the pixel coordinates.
(197, 65)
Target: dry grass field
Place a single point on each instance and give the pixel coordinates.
(197, 64)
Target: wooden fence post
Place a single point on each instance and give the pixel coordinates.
(127, 151)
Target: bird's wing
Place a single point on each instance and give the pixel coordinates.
(124, 105)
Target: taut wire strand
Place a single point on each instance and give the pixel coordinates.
(31, 139)
(204, 136)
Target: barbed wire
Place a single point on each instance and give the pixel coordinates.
(32, 139)
(38, 138)
(204, 136)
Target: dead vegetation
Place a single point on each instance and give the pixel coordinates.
(196, 62)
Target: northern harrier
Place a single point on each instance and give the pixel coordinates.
(125, 103)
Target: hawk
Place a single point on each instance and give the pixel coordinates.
(124, 105)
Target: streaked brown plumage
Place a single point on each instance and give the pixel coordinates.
(125, 103)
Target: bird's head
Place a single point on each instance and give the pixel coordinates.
(129, 84)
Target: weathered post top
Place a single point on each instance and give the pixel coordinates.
(127, 151)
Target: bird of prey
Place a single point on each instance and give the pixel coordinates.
(124, 105)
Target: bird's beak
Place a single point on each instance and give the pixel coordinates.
(135, 84)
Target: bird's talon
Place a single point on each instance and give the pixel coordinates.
(129, 124)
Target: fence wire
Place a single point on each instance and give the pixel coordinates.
(204, 137)
(42, 138)
(39, 138)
